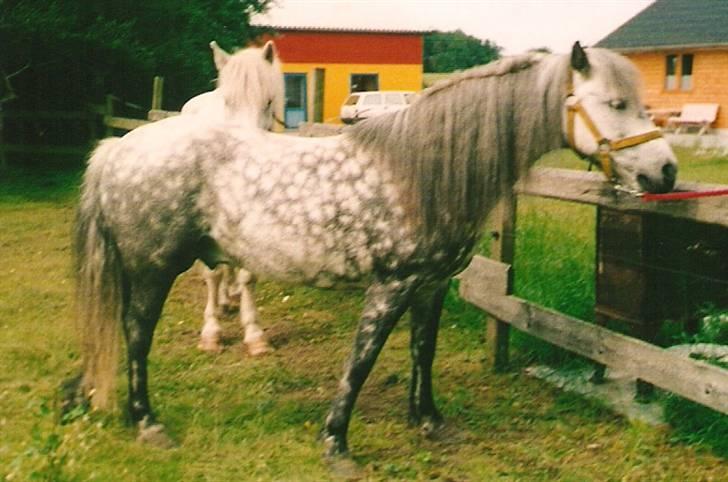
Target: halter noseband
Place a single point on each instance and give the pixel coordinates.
(606, 145)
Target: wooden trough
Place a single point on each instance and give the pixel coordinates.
(654, 261)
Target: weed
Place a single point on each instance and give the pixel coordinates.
(692, 422)
(46, 457)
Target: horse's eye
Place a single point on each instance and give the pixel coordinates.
(618, 104)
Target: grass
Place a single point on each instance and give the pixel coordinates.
(239, 418)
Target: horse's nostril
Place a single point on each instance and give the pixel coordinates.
(669, 171)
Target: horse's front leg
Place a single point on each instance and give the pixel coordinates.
(426, 309)
(211, 331)
(141, 313)
(384, 304)
(254, 337)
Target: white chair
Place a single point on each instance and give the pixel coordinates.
(694, 115)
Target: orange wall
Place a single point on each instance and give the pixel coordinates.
(710, 81)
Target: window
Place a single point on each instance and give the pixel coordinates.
(686, 72)
(679, 72)
(363, 82)
(670, 72)
(393, 98)
(373, 99)
(352, 100)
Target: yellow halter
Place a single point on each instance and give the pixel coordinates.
(606, 146)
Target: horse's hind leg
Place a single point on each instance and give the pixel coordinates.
(385, 302)
(228, 288)
(426, 309)
(254, 337)
(210, 334)
(146, 296)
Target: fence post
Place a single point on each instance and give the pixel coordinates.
(502, 249)
(92, 122)
(109, 113)
(157, 92)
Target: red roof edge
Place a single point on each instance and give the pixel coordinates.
(289, 28)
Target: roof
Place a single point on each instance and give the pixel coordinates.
(293, 28)
(670, 24)
(346, 17)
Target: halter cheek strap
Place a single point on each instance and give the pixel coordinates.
(575, 108)
(280, 122)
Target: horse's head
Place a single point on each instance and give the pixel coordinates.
(251, 84)
(605, 121)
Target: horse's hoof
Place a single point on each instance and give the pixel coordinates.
(432, 427)
(258, 347)
(210, 345)
(343, 468)
(155, 436)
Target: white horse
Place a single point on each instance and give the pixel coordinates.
(398, 202)
(255, 74)
(250, 95)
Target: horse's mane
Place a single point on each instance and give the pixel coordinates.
(457, 147)
(248, 82)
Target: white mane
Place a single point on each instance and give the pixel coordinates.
(249, 90)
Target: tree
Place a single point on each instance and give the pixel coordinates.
(450, 51)
(79, 50)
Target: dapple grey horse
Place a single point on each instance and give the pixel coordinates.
(398, 202)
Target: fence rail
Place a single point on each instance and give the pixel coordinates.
(487, 283)
(51, 132)
(590, 188)
(123, 123)
(55, 132)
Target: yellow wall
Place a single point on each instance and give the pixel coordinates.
(336, 86)
(710, 81)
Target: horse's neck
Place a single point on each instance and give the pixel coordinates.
(246, 118)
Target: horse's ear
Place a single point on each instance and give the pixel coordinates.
(579, 60)
(221, 57)
(269, 51)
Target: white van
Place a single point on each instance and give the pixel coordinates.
(362, 105)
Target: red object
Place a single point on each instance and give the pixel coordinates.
(349, 47)
(677, 196)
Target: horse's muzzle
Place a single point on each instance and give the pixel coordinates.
(665, 184)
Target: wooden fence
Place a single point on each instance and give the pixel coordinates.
(488, 284)
(56, 133)
(69, 133)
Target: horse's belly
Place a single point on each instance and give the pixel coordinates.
(281, 253)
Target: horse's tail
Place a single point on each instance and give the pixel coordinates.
(99, 292)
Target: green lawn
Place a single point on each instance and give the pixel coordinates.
(239, 418)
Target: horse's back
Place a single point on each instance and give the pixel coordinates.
(304, 210)
(208, 103)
